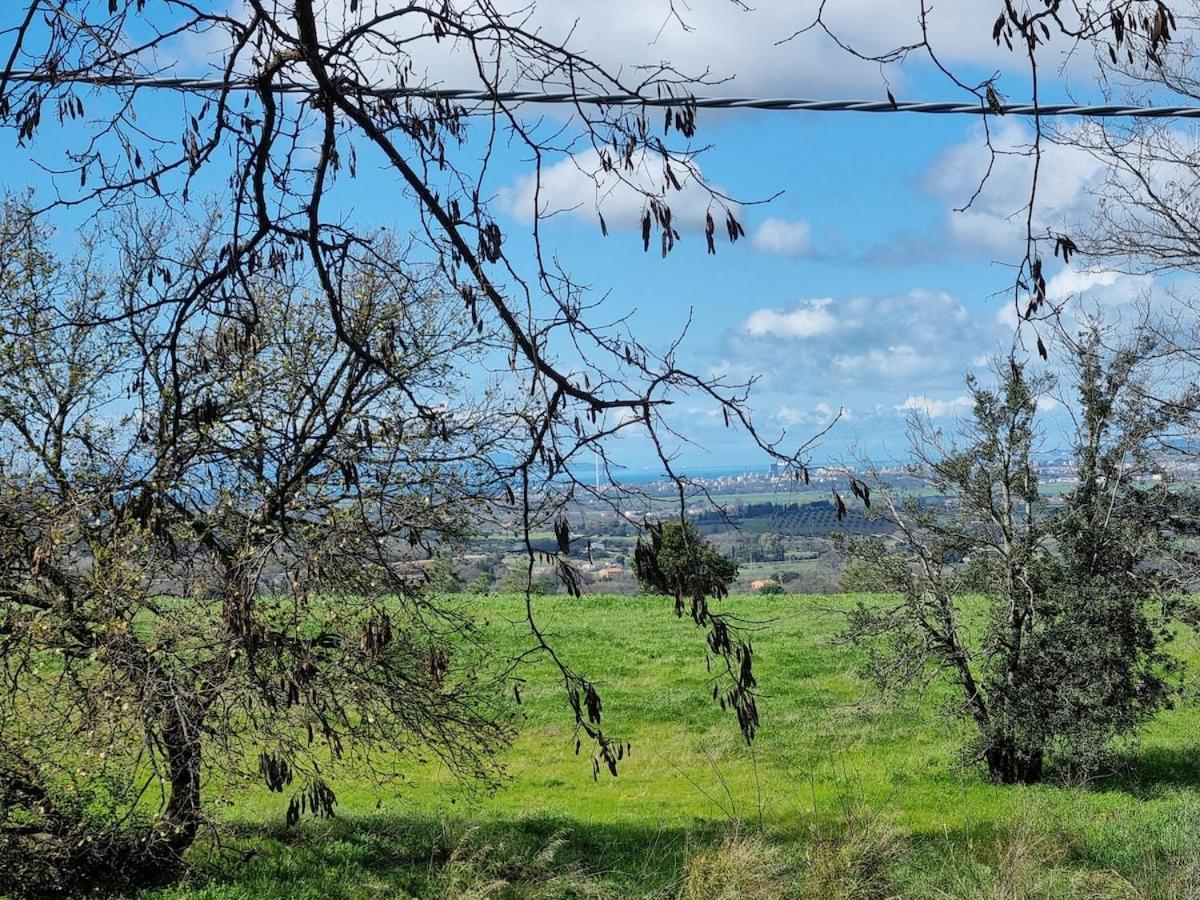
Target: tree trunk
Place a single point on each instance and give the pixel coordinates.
(1009, 764)
(181, 818)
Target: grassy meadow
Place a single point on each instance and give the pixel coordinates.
(842, 795)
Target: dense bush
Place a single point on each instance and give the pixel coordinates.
(1071, 653)
(681, 562)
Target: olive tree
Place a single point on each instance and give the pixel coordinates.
(680, 562)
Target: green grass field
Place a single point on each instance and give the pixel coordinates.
(841, 794)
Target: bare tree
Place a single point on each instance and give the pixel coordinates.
(339, 81)
(1142, 216)
(294, 101)
(1128, 36)
(212, 585)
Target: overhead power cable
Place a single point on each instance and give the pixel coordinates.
(781, 104)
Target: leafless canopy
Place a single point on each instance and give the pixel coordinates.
(279, 169)
(205, 552)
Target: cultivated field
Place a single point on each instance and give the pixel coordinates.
(841, 795)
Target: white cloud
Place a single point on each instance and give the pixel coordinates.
(711, 413)
(862, 353)
(811, 318)
(748, 47)
(624, 418)
(941, 408)
(783, 237)
(995, 221)
(1069, 282)
(918, 334)
(1008, 315)
(821, 413)
(789, 415)
(1093, 291)
(935, 408)
(578, 187)
(724, 40)
(714, 38)
(896, 361)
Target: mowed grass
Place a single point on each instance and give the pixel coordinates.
(841, 794)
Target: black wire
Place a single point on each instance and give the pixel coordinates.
(566, 97)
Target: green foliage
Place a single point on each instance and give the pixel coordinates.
(442, 577)
(741, 867)
(680, 562)
(1098, 667)
(479, 866)
(200, 564)
(516, 580)
(1070, 655)
(871, 568)
(95, 846)
(770, 546)
(481, 583)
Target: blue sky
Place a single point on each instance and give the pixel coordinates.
(858, 288)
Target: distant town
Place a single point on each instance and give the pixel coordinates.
(780, 530)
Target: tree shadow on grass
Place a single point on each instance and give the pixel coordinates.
(399, 856)
(1148, 771)
(542, 856)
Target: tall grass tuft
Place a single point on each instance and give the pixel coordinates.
(853, 862)
(743, 866)
(478, 868)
